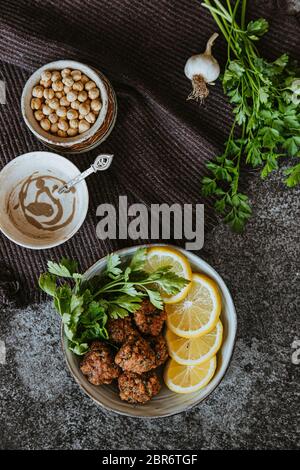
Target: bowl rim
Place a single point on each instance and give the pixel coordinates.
(85, 196)
(46, 137)
(234, 326)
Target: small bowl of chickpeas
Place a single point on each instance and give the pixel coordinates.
(69, 106)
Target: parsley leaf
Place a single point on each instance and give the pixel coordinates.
(66, 268)
(138, 260)
(112, 263)
(293, 174)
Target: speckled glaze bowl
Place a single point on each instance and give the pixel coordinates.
(98, 132)
(166, 403)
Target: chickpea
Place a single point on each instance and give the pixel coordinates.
(82, 96)
(75, 104)
(45, 124)
(72, 132)
(48, 94)
(74, 123)
(72, 96)
(89, 85)
(68, 81)
(67, 89)
(61, 133)
(96, 105)
(56, 76)
(91, 118)
(65, 72)
(83, 126)
(76, 75)
(46, 110)
(84, 109)
(54, 103)
(61, 111)
(46, 83)
(78, 86)
(46, 75)
(80, 117)
(53, 118)
(63, 125)
(36, 103)
(84, 79)
(72, 114)
(54, 128)
(38, 91)
(59, 94)
(58, 86)
(39, 115)
(64, 102)
(94, 93)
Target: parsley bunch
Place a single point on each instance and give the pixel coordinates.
(265, 97)
(85, 305)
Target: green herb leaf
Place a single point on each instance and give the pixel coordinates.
(293, 174)
(155, 298)
(66, 268)
(138, 260)
(112, 263)
(292, 145)
(257, 28)
(47, 283)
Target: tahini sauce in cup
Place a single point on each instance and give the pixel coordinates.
(32, 213)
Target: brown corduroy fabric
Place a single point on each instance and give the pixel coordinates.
(161, 141)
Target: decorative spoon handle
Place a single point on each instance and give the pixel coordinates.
(101, 163)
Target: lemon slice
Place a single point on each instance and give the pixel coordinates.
(198, 313)
(189, 379)
(193, 351)
(160, 256)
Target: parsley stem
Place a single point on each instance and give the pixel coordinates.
(243, 14)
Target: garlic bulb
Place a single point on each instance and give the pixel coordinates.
(202, 69)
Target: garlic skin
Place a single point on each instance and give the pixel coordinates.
(202, 69)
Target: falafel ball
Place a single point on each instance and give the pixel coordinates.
(136, 355)
(149, 319)
(160, 348)
(121, 329)
(98, 364)
(136, 388)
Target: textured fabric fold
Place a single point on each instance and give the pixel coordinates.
(161, 142)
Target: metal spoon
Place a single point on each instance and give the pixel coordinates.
(101, 163)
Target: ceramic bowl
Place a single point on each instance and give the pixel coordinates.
(12, 222)
(98, 132)
(166, 403)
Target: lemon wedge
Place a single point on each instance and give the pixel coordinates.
(193, 351)
(160, 256)
(188, 379)
(198, 312)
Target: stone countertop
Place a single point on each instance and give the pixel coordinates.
(255, 406)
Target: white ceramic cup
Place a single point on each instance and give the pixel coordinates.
(75, 206)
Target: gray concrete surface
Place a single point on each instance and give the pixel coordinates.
(255, 407)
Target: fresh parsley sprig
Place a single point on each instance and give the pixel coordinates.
(265, 97)
(85, 305)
